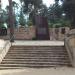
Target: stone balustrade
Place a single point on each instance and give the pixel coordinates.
(70, 46)
(28, 33)
(4, 47)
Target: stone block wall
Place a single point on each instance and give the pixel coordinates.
(28, 33)
(24, 33)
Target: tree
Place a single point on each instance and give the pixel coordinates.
(22, 20)
(11, 21)
(43, 11)
(55, 12)
(2, 16)
(69, 8)
(31, 7)
(15, 8)
(7, 15)
(7, 9)
(56, 15)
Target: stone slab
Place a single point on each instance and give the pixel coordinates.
(38, 43)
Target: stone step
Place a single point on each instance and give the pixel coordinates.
(32, 64)
(49, 52)
(51, 58)
(22, 46)
(37, 57)
(37, 47)
(35, 61)
(41, 48)
(41, 58)
(27, 53)
(37, 51)
(22, 50)
(9, 68)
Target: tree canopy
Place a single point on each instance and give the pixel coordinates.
(29, 5)
(54, 13)
(69, 8)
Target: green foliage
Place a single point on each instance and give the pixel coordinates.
(55, 17)
(29, 23)
(34, 38)
(64, 23)
(3, 18)
(1, 25)
(57, 25)
(22, 20)
(60, 23)
(55, 11)
(50, 24)
(69, 8)
(31, 7)
(28, 4)
(43, 11)
(15, 9)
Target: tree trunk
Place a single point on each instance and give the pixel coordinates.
(11, 21)
(0, 4)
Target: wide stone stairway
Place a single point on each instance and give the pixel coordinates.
(35, 57)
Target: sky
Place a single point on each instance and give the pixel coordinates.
(5, 3)
(47, 2)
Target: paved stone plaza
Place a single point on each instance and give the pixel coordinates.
(51, 71)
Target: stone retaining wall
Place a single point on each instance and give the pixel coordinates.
(55, 33)
(24, 33)
(29, 33)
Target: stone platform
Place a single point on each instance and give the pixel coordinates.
(38, 43)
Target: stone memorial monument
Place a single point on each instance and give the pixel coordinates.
(42, 31)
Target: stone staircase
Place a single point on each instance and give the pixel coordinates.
(35, 57)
